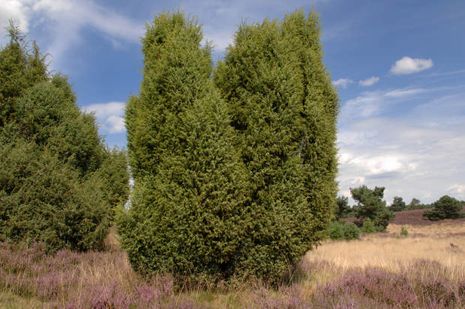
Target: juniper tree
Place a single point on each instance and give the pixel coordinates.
(53, 182)
(283, 109)
(187, 212)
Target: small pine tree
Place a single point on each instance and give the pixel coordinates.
(371, 206)
(343, 209)
(398, 204)
(445, 208)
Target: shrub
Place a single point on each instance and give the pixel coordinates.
(445, 208)
(403, 231)
(369, 227)
(341, 230)
(233, 184)
(188, 213)
(283, 110)
(50, 155)
(44, 200)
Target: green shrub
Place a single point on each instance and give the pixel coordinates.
(44, 200)
(340, 230)
(187, 212)
(403, 231)
(369, 227)
(239, 183)
(445, 208)
(56, 182)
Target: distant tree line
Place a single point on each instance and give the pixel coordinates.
(59, 184)
(372, 214)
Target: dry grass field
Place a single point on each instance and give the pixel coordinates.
(425, 269)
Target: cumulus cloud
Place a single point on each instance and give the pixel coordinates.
(342, 82)
(369, 81)
(408, 65)
(418, 153)
(63, 22)
(110, 116)
(15, 10)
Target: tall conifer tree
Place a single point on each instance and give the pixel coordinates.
(54, 185)
(284, 109)
(186, 214)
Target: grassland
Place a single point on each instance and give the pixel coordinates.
(426, 269)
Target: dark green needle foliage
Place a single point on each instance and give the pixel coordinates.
(188, 210)
(284, 110)
(445, 208)
(56, 183)
(235, 178)
(398, 204)
(371, 206)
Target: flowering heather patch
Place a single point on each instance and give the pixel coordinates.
(372, 283)
(105, 280)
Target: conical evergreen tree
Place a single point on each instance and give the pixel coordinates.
(55, 183)
(319, 116)
(284, 110)
(187, 213)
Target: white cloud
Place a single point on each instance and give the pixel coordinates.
(418, 153)
(408, 65)
(342, 82)
(457, 189)
(110, 116)
(369, 81)
(13, 9)
(372, 103)
(62, 22)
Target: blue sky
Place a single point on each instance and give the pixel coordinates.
(399, 67)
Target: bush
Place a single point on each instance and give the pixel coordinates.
(44, 200)
(445, 208)
(340, 230)
(403, 231)
(238, 182)
(369, 227)
(55, 186)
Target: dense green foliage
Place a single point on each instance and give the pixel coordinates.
(445, 208)
(339, 230)
(187, 212)
(369, 227)
(283, 109)
(398, 204)
(235, 182)
(370, 205)
(58, 183)
(343, 209)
